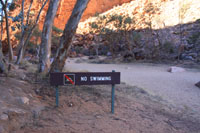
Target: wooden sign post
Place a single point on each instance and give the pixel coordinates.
(86, 78)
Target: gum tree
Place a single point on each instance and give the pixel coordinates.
(66, 38)
(45, 47)
(24, 41)
(4, 8)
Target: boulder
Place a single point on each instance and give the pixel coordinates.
(24, 100)
(4, 117)
(198, 84)
(175, 69)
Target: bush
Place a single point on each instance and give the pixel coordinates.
(57, 30)
(168, 47)
(12, 6)
(194, 38)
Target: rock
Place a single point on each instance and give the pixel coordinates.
(198, 84)
(73, 54)
(24, 100)
(175, 69)
(194, 55)
(70, 104)
(37, 110)
(4, 117)
(12, 111)
(188, 57)
(109, 54)
(91, 57)
(128, 56)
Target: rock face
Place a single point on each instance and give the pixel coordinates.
(94, 7)
(154, 33)
(63, 13)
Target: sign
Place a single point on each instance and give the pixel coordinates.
(84, 78)
(69, 79)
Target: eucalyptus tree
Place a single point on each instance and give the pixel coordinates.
(4, 4)
(45, 47)
(68, 33)
(24, 41)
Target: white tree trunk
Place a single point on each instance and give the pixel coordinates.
(45, 47)
(70, 30)
(4, 7)
(3, 67)
(30, 32)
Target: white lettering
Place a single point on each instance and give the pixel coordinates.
(84, 78)
(100, 78)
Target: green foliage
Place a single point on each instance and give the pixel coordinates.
(12, 6)
(96, 14)
(198, 21)
(94, 25)
(18, 35)
(194, 38)
(37, 32)
(135, 36)
(55, 40)
(119, 22)
(128, 20)
(168, 47)
(57, 30)
(102, 17)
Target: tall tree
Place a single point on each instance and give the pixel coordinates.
(3, 67)
(4, 7)
(23, 41)
(45, 47)
(66, 38)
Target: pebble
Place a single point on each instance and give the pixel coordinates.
(175, 69)
(4, 117)
(24, 100)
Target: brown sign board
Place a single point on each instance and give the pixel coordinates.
(84, 78)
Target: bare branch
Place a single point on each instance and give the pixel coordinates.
(2, 3)
(30, 32)
(22, 20)
(28, 13)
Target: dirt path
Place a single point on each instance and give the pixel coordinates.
(176, 88)
(86, 109)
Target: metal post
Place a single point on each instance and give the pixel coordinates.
(57, 97)
(113, 98)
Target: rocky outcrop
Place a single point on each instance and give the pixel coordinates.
(94, 7)
(63, 14)
(164, 29)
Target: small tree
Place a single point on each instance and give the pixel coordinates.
(66, 38)
(3, 67)
(23, 41)
(4, 7)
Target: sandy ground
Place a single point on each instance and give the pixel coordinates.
(86, 109)
(177, 89)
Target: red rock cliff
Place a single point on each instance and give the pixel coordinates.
(94, 6)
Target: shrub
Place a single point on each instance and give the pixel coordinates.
(57, 30)
(168, 47)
